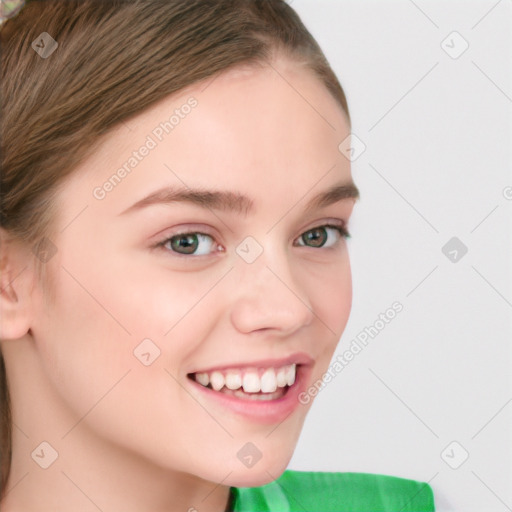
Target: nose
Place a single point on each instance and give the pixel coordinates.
(268, 295)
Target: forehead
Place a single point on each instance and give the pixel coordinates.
(268, 127)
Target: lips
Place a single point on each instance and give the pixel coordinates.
(262, 390)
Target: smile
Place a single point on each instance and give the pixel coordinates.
(263, 391)
(250, 383)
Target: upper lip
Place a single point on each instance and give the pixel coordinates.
(297, 358)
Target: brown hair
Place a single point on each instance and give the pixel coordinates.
(114, 59)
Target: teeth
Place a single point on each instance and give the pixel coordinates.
(217, 380)
(290, 375)
(268, 381)
(203, 378)
(281, 378)
(233, 380)
(259, 396)
(250, 380)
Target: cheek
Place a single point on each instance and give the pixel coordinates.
(329, 289)
(330, 294)
(96, 379)
(82, 349)
(119, 319)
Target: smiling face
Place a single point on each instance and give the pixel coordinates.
(201, 261)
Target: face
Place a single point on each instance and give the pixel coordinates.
(194, 257)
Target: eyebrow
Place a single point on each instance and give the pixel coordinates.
(226, 200)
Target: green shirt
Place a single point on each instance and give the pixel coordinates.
(307, 491)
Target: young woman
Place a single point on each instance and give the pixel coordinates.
(174, 270)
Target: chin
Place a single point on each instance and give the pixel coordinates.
(263, 472)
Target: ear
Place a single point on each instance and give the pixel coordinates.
(16, 270)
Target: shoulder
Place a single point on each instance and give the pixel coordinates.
(336, 492)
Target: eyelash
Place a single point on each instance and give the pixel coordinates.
(340, 228)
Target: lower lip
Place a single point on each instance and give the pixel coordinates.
(262, 411)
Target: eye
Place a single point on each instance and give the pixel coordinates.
(200, 244)
(319, 236)
(194, 243)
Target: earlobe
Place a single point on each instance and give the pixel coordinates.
(14, 288)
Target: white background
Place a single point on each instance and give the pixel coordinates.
(437, 165)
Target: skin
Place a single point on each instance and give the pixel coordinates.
(132, 437)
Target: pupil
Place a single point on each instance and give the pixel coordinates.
(316, 234)
(187, 242)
